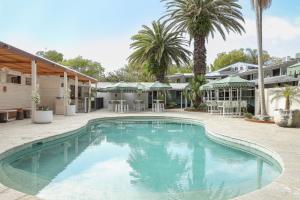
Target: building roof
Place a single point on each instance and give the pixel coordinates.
(20, 60)
(278, 79)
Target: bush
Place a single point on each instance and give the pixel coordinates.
(248, 115)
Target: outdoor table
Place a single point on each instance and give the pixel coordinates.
(122, 107)
(138, 104)
(157, 107)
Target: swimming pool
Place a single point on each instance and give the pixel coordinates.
(136, 158)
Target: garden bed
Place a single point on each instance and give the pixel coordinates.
(260, 121)
(194, 110)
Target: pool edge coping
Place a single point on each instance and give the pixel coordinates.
(232, 142)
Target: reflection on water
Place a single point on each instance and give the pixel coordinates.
(136, 160)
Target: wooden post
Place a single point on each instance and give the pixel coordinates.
(76, 92)
(33, 88)
(90, 96)
(65, 92)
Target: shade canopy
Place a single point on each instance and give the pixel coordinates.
(233, 82)
(122, 87)
(157, 86)
(208, 86)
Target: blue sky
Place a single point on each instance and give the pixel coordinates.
(101, 29)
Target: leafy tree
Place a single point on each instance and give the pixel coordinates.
(252, 56)
(201, 18)
(51, 55)
(157, 47)
(225, 59)
(180, 69)
(130, 73)
(259, 6)
(238, 55)
(85, 66)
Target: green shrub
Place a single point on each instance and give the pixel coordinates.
(248, 116)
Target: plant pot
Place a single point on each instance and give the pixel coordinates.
(285, 118)
(43, 117)
(71, 110)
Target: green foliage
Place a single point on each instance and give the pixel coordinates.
(157, 47)
(225, 59)
(202, 17)
(130, 73)
(85, 66)
(238, 55)
(193, 92)
(180, 69)
(289, 93)
(248, 115)
(51, 55)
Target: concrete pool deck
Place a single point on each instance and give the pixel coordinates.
(285, 142)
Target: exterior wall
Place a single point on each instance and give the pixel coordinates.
(16, 95)
(129, 97)
(271, 106)
(49, 89)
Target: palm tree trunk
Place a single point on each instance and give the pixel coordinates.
(261, 87)
(199, 55)
(287, 104)
(160, 76)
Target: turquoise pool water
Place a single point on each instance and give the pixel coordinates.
(130, 159)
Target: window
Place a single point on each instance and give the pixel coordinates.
(13, 79)
(28, 81)
(276, 72)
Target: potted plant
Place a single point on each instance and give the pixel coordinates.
(287, 117)
(43, 115)
(71, 107)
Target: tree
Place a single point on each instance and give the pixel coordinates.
(158, 47)
(201, 18)
(51, 55)
(238, 55)
(290, 94)
(85, 66)
(130, 73)
(180, 69)
(259, 6)
(252, 56)
(225, 59)
(193, 92)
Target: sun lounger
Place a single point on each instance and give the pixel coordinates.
(7, 115)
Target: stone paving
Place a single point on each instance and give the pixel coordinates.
(285, 142)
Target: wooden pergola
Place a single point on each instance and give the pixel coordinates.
(19, 60)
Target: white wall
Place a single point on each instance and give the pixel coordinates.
(129, 97)
(16, 96)
(49, 89)
(271, 106)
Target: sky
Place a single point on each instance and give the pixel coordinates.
(101, 29)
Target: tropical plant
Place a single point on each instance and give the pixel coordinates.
(193, 92)
(290, 94)
(259, 6)
(201, 18)
(36, 98)
(159, 47)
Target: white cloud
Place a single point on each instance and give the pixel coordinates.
(280, 39)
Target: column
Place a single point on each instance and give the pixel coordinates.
(76, 92)
(181, 100)
(65, 92)
(33, 88)
(90, 95)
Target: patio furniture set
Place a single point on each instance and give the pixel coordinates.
(7, 115)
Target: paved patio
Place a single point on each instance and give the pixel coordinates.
(286, 142)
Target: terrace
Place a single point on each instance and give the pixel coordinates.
(284, 145)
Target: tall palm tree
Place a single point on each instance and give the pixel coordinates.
(259, 6)
(158, 48)
(201, 18)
